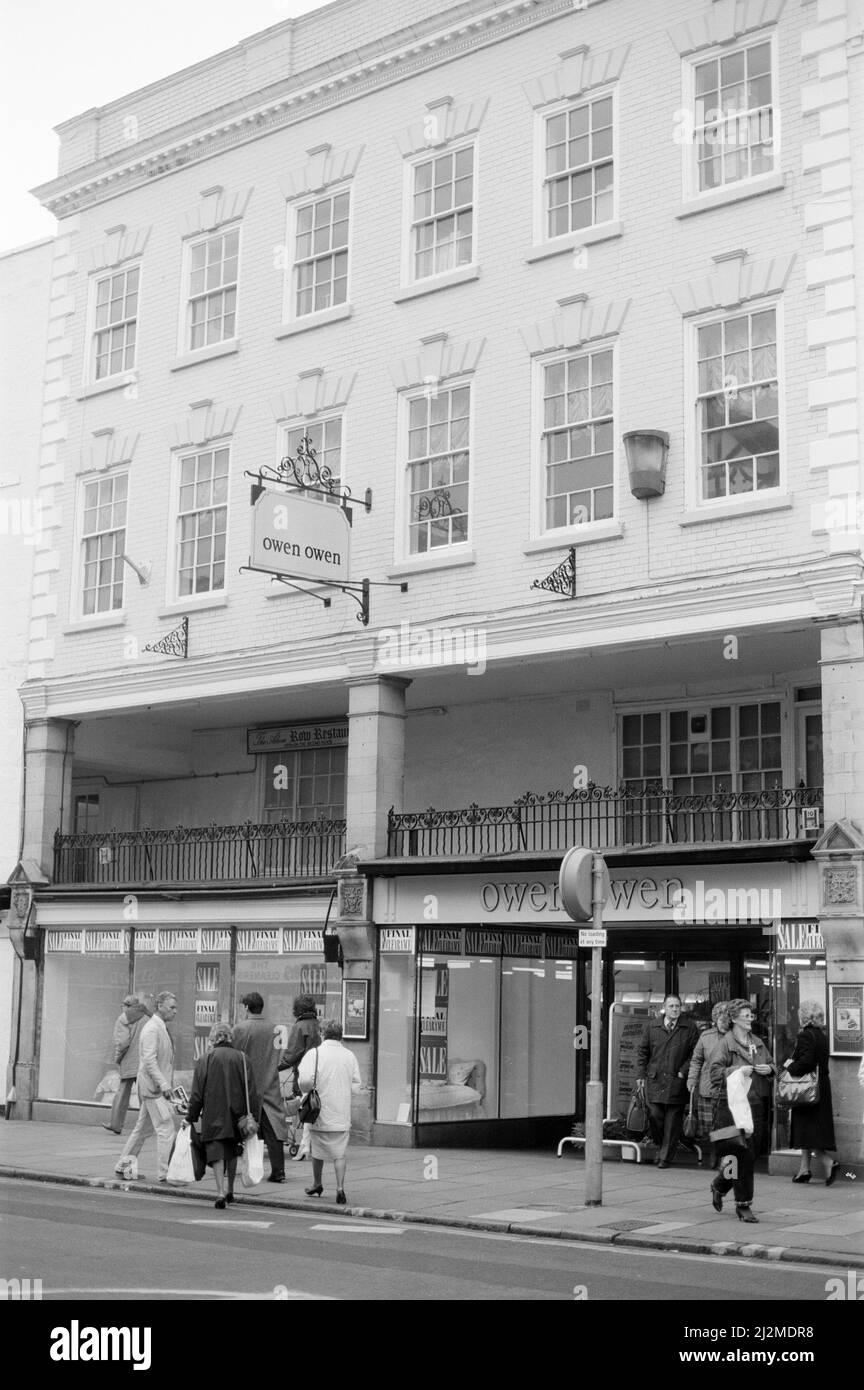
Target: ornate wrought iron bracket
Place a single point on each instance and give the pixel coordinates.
(174, 643)
(562, 580)
(305, 474)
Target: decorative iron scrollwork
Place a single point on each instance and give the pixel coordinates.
(174, 643)
(562, 579)
(432, 508)
(304, 470)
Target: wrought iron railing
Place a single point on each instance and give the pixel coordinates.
(608, 818)
(202, 853)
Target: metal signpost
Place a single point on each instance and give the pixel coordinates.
(584, 887)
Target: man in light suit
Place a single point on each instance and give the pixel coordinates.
(258, 1040)
(155, 1078)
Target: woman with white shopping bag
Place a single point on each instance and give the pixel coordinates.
(741, 1073)
(224, 1097)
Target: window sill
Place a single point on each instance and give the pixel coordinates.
(205, 354)
(583, 535)
(727, 511)
(192, 604)
(422, 564)
(461, 276)
(319, 320)
(564, 245)
(720, 198)
(111, 383)
(94, 624)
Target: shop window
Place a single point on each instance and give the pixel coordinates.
(458, 1039)
(395, 1037)
(82, 996)
(202, 985)
(280, 979)
(538, 1009)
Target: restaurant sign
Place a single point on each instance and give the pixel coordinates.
(284, 738)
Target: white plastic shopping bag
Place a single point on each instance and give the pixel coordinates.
(180, 1168)
(252, 1162)
(737, 1088)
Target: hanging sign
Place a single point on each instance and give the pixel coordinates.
(300, 537)
(287, 737)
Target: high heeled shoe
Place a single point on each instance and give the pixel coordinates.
(341, 1199)
(716, 1198)
(835, 1169)
(219, 1204)
(745, 1214)
(314, 1191)
(229, 1198)
(802, 1177)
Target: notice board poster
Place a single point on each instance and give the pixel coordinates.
(625, 1035)
(434, 1007)
(846, 1016)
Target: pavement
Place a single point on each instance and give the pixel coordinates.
(521, 1192)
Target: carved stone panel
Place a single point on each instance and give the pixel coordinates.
(840, 886)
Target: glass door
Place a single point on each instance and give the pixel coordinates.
(701, 983)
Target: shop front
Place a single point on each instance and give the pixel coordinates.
(484, 993)
(275, 948)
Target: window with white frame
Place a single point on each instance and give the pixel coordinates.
(86, 813)
(578, 167)
(202, 522)
(701, 751)
(438, 467)
(578, 461)
(321, 254)
(734, 116)
(325, 437)
(442, 213)
(738, 405)
(103, 542)
(115, 322)
(305, 786)
(212, 293)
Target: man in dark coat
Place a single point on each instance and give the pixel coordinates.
(258, 1039)
(662, 1060)
(126, 1032)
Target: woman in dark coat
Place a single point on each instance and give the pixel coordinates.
(305, 1034)
(812, 1126)
(223, 1090)
(738, 1146)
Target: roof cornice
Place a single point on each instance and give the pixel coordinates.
(303, 95)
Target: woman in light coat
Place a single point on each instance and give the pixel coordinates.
(699, 1075)
(747, 1057)
(812, 1126)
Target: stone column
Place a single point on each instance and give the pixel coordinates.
(47, 789)
(840, 852)
(376, 759)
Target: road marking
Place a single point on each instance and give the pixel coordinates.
(369, 1230)
(199, 1293)
(517, 1214)
(663, 1226)
(214, 1221)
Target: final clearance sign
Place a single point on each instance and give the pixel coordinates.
(296, 535)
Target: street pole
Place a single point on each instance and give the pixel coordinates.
(594, 1088)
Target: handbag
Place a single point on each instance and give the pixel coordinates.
(636, 1123)
(310, 1106)
(247, 1124)
(252, 1162)
(180, 1167)
(691, 1122)
(798, 1090)
(198, 1151)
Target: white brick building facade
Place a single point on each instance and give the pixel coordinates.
(186, 352)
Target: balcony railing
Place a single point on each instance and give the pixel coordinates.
(606, 818)
(208, 853)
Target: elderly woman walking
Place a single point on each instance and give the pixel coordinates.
(699, 1075)
(223, 1090)
(812, 1126)
(305, 1035)
(739, 1116)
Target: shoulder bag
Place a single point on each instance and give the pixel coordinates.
(310, 1106)
(636, 1123)
(798, 1090)
(247, 1123)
